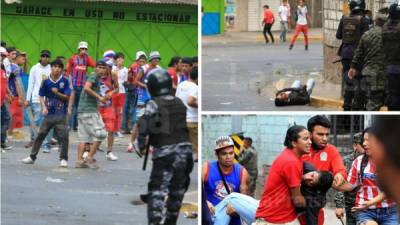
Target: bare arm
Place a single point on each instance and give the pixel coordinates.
(88, 89)
(297, 197)
(192, 101)
(137, 80)
(244, 182)
(378, 199)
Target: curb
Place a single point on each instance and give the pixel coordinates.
(326, 103)
(300, 37)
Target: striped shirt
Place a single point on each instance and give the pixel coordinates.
(369, 188)
(77, 68)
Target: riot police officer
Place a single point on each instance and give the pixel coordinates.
(163, 126)
(391, 47)
(350, 30)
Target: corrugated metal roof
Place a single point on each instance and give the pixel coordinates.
(178, 2)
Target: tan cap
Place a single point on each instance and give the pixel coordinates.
(223, 142)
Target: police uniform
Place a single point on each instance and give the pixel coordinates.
(350, 30)
(164, 124)
(369, 60)
(391, 47)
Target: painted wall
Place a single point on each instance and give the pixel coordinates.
(213, 20)
(59, 26)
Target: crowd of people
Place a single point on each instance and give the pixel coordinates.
(62, 87)
(299, 178)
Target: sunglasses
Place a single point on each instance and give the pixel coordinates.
(83, 49)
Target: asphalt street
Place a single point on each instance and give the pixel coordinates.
(233, 74)
(44, 193)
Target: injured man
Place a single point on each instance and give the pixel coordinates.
(314, 186)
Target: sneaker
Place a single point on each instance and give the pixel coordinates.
(81, 165)
(4, 146)
(111, 156)
(306, 47)
(92, 164)
(46, 150)
(53, 141)
(29, 145)
(290, 47)
(130, 148)
(85, 155)
(63, 163)
(28, 160)
(119, 135)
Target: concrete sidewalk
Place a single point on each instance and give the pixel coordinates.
(229, 37)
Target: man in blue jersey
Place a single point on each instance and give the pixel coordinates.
(223, 176)
(54, 95)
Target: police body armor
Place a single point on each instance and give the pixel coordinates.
(351, 29)
(168, 126)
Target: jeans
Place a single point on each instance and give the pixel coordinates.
(310, 85)
(37, 114)
(267, 29)
(5, 122)
(284, 28)
(74, 120)
(59, 124)
(383, 216)
(245, 206)
(129, 111)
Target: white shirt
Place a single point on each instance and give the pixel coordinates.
(284, 12)
(183, 91)
(37, 74)
(7, 66)
(122, 77)
(302, 12)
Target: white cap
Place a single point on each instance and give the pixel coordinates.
(3, 51)
(154, 55)
(82, 44)
(140, 53)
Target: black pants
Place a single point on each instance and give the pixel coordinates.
(169, 177)
(59, 123)
(267, 29)
(353, 98)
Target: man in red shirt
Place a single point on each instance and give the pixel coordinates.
(4, 93)
(324, 156)
(77, 69)
(282, 187)
(267, 22)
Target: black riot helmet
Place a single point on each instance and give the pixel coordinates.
(394, 11)
(159, 83)
(356, 5)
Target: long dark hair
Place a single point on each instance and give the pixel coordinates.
(292, 134)
(365, 159)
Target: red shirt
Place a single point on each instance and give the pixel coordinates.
(327, 159)
(3, 87)
(172, 73)
(369, 186)
(133, 72)
(268, 17)
(276, 205)
(77, 68)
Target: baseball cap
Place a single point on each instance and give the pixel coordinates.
(101, 63)
(45, 52)
(357, 138)
(140, 54)
(82, 44)
(3, 51)
(154, 55)
(223, 142)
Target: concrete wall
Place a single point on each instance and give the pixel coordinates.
(333, 10)
(267, 132)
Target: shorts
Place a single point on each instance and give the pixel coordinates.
(263, 222)
(382, 216)
(16, 113)
(140, 109)
(90, 127)
(109, 117)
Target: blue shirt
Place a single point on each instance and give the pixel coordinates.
(215, 188)
(54, 104)
(16, 70)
